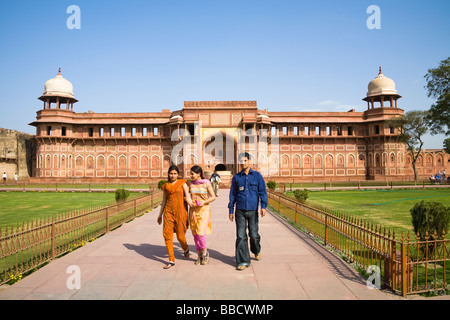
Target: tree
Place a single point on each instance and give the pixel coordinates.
(412, 126)
(438, 86)
(447, 145)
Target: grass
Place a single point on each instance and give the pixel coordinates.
(30, 250)
(389, 208)
(19, 207)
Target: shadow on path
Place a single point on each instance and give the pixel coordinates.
(159, 253)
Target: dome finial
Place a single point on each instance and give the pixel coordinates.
(59, 71)
(380, 70)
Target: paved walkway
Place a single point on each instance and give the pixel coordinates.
(127, 264)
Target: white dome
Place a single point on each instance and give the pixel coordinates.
(58, 87)
(381, 85)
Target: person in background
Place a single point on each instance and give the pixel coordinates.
(215, 180)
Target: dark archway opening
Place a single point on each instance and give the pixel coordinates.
(220, 167)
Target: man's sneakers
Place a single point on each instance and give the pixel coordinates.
(243, 267)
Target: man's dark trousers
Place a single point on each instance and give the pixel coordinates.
(246, 218)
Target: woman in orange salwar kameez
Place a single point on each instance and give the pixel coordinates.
(174, 209)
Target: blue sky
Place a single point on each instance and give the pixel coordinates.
(288, 55)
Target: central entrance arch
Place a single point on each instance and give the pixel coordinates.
(219, 152)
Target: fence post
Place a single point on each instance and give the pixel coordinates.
(279, 204)
(53, 238)
(135, 208)
(107, 219)
(403, 267)
(326, 229)
(151, 200)
(393, 264)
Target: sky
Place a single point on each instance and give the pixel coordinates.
(288, 55)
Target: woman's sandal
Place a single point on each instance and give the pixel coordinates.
(199, 260)
(186, 254)
(169, 265)
(205, 258)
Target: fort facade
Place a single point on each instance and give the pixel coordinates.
(285, 146)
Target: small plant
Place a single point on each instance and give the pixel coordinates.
(13, 278)
(122, 195)
(161, 183)
(301, 195)
(271, 185)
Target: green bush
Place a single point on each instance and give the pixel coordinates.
(430, 216)
(161, 183)
(271, 185)
(301, 195)
(122, 195)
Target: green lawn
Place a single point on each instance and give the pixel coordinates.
(389, 208)
(18, 207)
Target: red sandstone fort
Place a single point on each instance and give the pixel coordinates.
(284, 146)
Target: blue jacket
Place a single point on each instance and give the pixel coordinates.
(247, 190)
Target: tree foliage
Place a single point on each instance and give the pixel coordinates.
(412, 127)
(438, 87)
(447, 145)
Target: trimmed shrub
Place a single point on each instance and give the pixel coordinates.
(301, 195)
(430, 216)
(271, 185)
(122, 195)
(161, 183)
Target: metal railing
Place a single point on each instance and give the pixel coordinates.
(25, 247)
(407, 266)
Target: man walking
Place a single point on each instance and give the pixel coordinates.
(215, 180)
(247, 190)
